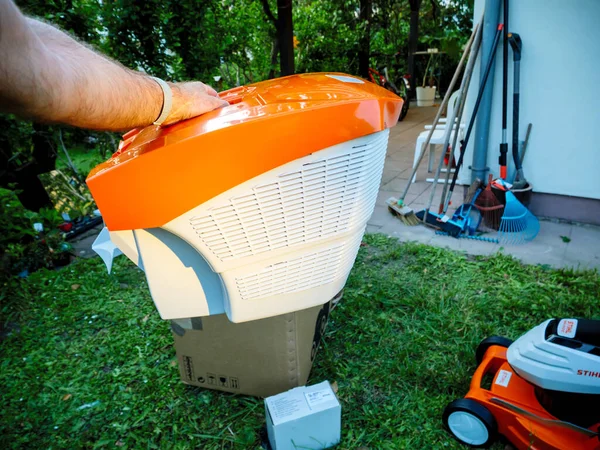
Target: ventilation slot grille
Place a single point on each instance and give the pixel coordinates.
(306, 272)
(321, 200)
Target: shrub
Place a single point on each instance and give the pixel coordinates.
(22, 249)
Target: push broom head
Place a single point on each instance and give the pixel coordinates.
(403, 212)
(489, 206)
(518, 225)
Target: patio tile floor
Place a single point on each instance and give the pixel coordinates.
(558, 244)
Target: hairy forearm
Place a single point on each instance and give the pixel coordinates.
(51, 77)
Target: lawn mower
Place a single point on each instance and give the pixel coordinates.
(544, 392)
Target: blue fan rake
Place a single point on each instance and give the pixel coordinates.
(518, 225)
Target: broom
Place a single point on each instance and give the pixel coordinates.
(489, 206)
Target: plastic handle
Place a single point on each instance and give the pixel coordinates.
(516, 44)
(236, 95)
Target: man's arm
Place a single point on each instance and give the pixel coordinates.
(47, 75)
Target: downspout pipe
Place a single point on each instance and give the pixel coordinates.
(479, 166)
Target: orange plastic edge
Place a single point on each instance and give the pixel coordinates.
(150, 191)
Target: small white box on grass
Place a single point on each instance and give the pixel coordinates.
(307, 417)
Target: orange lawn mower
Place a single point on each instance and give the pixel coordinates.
(545, 391)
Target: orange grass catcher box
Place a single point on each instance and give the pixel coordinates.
(256, 209)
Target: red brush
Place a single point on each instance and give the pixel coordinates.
(489, 206)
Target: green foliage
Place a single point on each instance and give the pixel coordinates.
(328, 36)
(389, 34)
(84, 159)
(78, 17)
(48, 217)
(247, 43)
(16, 146)
(15, 221)
(89, 363)
(48, 251)
(446, 26)
(186, 40)
(69, 195)
(22, 249)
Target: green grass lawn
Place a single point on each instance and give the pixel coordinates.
(93, 365)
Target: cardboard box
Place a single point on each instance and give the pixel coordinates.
(262, 357)
(308, 417)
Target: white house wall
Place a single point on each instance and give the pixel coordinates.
(560, 95)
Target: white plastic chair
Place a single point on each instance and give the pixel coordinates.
(452, 104)
(438, 136)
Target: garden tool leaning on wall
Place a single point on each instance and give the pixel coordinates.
(397, 205)
(425, 215)
(455, 228)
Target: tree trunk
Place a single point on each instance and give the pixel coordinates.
(364, 50)
(285, 32)
(274, 55)
(413, 40)
(33, 196)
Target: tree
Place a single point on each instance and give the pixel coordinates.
(364, 53)
(274, 37)
(286, 36)
(283, 37)
(327, 33)
(413, 39)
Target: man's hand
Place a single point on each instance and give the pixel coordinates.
(49, 76)
(191, 99)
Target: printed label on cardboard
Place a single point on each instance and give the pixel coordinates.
(286, 406)
(318, 397)
(212, 379)
(188, 367)
(503, 378)
(224, 381)
(567, 328)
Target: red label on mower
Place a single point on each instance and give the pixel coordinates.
(567, 328)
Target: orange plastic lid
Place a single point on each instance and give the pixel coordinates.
(159, 173)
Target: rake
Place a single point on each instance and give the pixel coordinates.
(518, 225)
